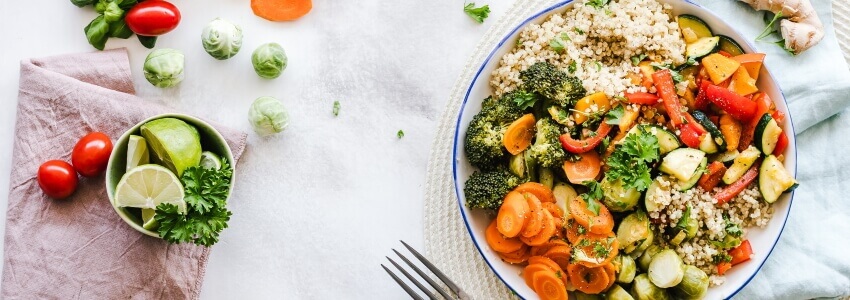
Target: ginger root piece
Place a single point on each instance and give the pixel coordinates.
(802, 27)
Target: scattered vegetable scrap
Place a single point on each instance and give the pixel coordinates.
(281, 10)
(477, 13)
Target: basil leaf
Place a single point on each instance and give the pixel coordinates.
(82, 3)
(147, 41)
(119, 29)
(113, 12)
(97, 32)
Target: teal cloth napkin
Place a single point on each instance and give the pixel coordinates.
(812, 258)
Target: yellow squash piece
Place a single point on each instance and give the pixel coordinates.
(719, 67)
(742, 83)
(585, 106)
(519, 134)
(752, 62)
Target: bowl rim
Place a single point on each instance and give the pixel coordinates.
(498, 46)
(125, 137)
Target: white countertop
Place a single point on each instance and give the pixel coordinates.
(318, 207)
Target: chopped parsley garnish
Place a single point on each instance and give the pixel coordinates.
(677, 77)
(400, 133)
(637, 59)
(578, 30)
(524, 100)
(732, 228)
(572, 67)
(558, 43)
(721, 258)
(629, 160)
(600, 250)
(477, 13)
(336, 108)
(613, 116)
(598, 66)
(597, 3)
(683, 221)
(593, 195)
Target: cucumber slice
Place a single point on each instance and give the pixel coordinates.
(706, 123)
(774, 179)
(729, 45)
(695, 24)
(667, 141)
(767, 134)
(682, 163)
(666, 269)
(651, 205)
(726, 156)
(707, 144)
(702, 47)
(741, 165)
(616, 197)
(633, 231)
(690, 183)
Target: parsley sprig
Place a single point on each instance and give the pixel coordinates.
(206, 214)
(593, 195)
(477, 13)
(629, 161)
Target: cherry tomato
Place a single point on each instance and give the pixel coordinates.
(153, 18)
(57, 179)
(91, 154)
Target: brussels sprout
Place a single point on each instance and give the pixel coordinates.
(627, 267)
(222, 39)
(268, 116)
(269, 60)
(164, 67)
(643, 289)
(616, 292)
(617, 197)
(646, 258)
(634, 231)
(694, 285)
(666, 269)
(583, 296)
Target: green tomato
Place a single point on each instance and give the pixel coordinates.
(164, 67)
(268, 116)
(222, 39)
(269, 60)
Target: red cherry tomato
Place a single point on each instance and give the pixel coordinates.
(57, 179)
(153, 18)
(91, 154)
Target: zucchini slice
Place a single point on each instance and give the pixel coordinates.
(702, 47)
(649, 199)
(774, 179)
(703, 120)
(667, 141)
(690, 183)
(695, 24)
(707, 145)
(741, 165)
(729, 45)
(726, 157)
(682, 163)
(767, 134)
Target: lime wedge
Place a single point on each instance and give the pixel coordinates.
(174, 143)
(147, 186)
(148, 221)
(137, 152)
(210, 161)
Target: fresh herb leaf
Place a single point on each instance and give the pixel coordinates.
(518, 42)
(721, 258)
(593, 195)
(613, 116)
(677, 77)
(524, 100)
(400, 133)
(637, 59)
(600, 250)
(336, 108)
(732, 228)
(598, 66)
(558, 43)
(629, 161)
(597, 3)
(477, 13)
(683, 221)
(781, 44)
(572, 67)
(578, 30)
(770, 28)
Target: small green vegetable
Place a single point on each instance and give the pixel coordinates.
(164, 67)
(336, 108)
(558, 42)
(268, 116)
(477, 13)
(637, 59)
(487, 189)
(400, 133)
(222, 39)
(97, 32)
(269, 60)
(83, 3)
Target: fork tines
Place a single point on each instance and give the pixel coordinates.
(448, 282)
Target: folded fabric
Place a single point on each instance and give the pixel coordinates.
(78, 248)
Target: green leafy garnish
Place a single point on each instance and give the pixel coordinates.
(721, 258)
(578, 30)
(558, 43)
(637, 59)
(598, 66)
(781, 44)
(593, 195)
(629, 161)
(600, 250)
(732, 228)
(683, 221)
(400, 133)
(572, 67)
(770, 28)
(524, 100)
(677, 77)
(597, 3)
(477, 13)
(336, 108)
(206, 215)
(613, 116)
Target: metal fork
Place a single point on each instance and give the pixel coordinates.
(449, 283)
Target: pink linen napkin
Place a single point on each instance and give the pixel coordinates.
(78, 248)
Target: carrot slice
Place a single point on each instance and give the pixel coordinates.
(519, 134)
(541, 249)
(593, 250)
(601, 223)
(559, 228)
(544, 261)
(535, 216)
(611, 270)
(588, 280)
(548, 286)
(528, 273)
(584, 169)
(281, 10)
(539, 190)
(545, 234)
(512, 215)
(553, 209)
(499, 242)
(560, 255)
(574, 231)
(516, 257)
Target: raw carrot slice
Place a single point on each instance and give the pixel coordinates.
(535, 216)
(560, 255)
(541, 191)
(588, 280)
(545, 233)
(593, 250)
(516, 257)
(548, 286)
(281, 10)
(601, 223)
(541, 249)
(528, 273)
(499, 242)
(519, 134)
(512, 215)
(554, 210)
(584, 169)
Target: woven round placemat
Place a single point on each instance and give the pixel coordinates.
(447, 241)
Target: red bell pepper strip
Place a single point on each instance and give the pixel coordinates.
(763, 106)
(738, 186)
(701, 102)
(723, 267)
(741, 253)
(690, 135)
(582, 146)
(642, 98)
(697, 126)
(724, 53)
(735, 105)
(779, 116)
(781, 144)
(663, 80)
(712, 176)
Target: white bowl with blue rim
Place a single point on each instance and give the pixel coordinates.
(763, 240)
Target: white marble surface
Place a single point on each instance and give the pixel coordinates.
(318, 207)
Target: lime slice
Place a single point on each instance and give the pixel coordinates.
(174, 143)
(210, 161)
(137, 152)
(148, 221)
(147, 186)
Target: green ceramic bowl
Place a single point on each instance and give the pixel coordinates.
(211, 140)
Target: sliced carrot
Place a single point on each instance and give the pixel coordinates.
(588, 280)
(519, 134)
(574, 231)
(512, 215)
(611, 270)
(548, 286)
(559, 228)
(528, 273)
(723, 267)
(539, 190)
(281, 10)
(544, 261)
(535, 216)
(593, 250)
(586, 168)
(553, 209)
(499, 242)
(560, 255)
(601, 223)
(545, 233)
(516, 257)
(541, 249)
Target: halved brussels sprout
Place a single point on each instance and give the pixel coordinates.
(643, 289)
(694, 284)
(617, 197)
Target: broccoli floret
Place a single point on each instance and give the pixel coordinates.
(487, 189)
(547, 149)
(545, 79)
(483, 145)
